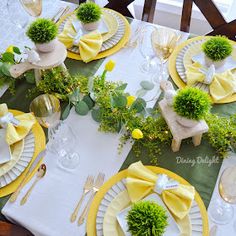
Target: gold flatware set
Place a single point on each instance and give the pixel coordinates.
(89, 186)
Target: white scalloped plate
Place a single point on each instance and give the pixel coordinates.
(16, 151)
(22, 163)
(194, 214)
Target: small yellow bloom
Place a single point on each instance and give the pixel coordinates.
(10, 49)
(137, 134)
(110, 65)
(130, 100)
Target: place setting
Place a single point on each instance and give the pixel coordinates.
(207, 63)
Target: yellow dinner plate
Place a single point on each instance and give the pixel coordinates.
(118, 40)
(174, 74)
(107, 17)
(91, 221)
(122, 201)
(40, 143)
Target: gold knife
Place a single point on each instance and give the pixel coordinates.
(27, 174)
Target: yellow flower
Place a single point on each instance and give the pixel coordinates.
(130, 100)
(110, 65)
(137, 134)
(10, 49)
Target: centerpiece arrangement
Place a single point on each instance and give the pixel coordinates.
(216, 50)
(146, 218)
(89, 14)
(43, 33)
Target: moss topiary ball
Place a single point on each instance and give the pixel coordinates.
(146, 218)
(42, 31)
(217, 48)
(89, 12)
(192, 103)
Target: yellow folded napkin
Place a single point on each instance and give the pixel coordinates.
(221, 86)
(17, 127)
(141, 181)
(89, 44)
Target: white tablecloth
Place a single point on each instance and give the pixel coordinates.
(48, 209)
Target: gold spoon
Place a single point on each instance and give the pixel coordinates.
(40, 173)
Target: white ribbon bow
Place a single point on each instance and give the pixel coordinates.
(8, 118)
(79, 32)
(164, 183)
(209, 73)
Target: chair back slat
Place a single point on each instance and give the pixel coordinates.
(212, 14)
(186, 15)
(149, 10)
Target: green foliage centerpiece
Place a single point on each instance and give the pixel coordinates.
(43, 33)
(89, 14)
(191, 104)
(216, 50)
(146, 218)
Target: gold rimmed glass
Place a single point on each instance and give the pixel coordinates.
(222, 211)
(62, 139)
(32, 7)
(164, 41)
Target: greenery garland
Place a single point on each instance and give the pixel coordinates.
(118, 111)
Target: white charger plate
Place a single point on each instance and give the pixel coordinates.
(22, 163)
(194, 214)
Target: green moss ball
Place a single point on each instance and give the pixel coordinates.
(146, 218)
(89, 12)
(217, 48)
(192, 103)
(42, 31)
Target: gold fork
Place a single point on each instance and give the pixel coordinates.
(86, 189)
(98, 183)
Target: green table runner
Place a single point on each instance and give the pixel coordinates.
(192, 163)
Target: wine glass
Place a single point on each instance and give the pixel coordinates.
(32, 7)
(222, 211)
(146, 49)
(62, 138)
(18, 17)
(164, 42)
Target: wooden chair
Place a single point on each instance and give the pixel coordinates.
(212, 14)
(122, 7)
(7, 229)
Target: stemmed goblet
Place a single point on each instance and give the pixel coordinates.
(32, 7)
(164, 42)
(146, 49)
(221, 210)
(18, 17)
(62, 138)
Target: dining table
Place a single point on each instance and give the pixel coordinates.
(199, 165)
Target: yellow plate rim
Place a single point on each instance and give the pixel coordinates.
(175, 76)
(110, 51)
(91, 220)
(39, 145)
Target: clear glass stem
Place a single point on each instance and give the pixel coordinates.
(221, 212)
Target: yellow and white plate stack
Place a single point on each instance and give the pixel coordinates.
(21, 155)
(113, 197)
(183, 56)
(117, 36)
